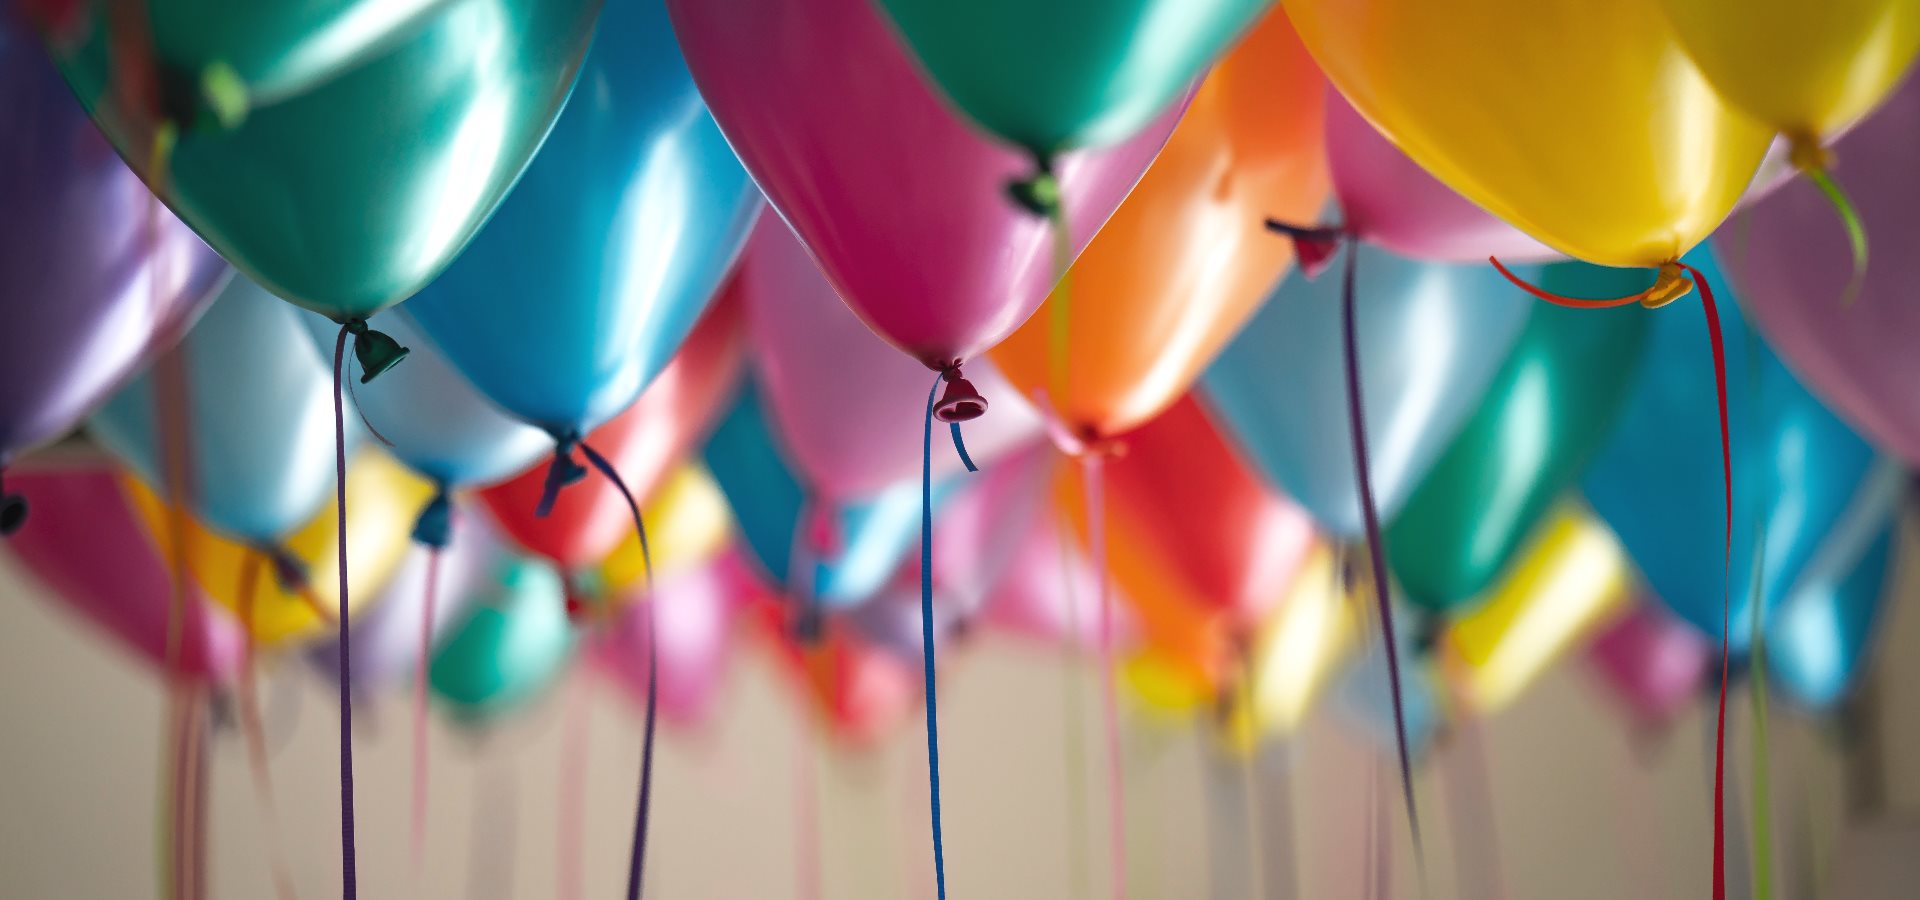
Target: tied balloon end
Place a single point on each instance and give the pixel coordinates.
(1816, 162)
(214, 97)
(961, 402)
(434, 526)
(1039, 193)
(288, 570)
(1669, 285)
(13, 509)
(563, 471)
(376, 351)
(1313, 248)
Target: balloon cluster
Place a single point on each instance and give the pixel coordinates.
(1221, 468)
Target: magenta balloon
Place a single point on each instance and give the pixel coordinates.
(1044, 596)
(1390, 201)
(843, 401)
(695, 612)
(903, 204)
(1788, 257)
(86, 545)
(1653, 663)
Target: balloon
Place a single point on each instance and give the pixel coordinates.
(1657, 482)
(839, 395)
(1294, 653)
(1085, 73)
(1541, 419)
(511, 647)
(259, 415)
(340, 154)
(1792, 275)
(645, 442)
(381, 499)
(386, 637)
(1653, 663)
(895, 197)
(94, 275)
(1580, 123)
(1806, 70)
(687, 524)
(695, 611)
(1820, 638)
(1365, 695)
(1570, 580)
(1431, 337)
(860, 693)
(89, 551)
(432, 419)
(1181, 265)
(575, 296)
(854, 548)
(1387, 200)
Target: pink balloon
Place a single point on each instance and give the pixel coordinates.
(695, 612)
(1789, 259)
(1653, 662)
(85, 543)
(1390, 201)
(844, 402)
(901, 202)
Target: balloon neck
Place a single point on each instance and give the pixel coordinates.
(961, 401)
(288, 571)
(375, 351)
(13, 509)
(1313, 247)
(809, 624)
(562, 471)
(1671, 284)
(1807, 154)
(1039, 193)
(214, 97)
(434, 526)
(1427, 633)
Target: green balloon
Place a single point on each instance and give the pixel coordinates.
(340, 152)
(1051, 75)
(1549, 407)
(512, 645)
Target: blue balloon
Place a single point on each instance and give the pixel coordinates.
(772, 510)
(1658, 482)
(259, 407)
(1819, 638)
(432, 418)
(1431, 337)
(578, 291)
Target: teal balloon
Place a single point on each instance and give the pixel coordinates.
(340, 153)
(580, 290)
(259, 413)
(776, 520)
(1050, 75)
(1797, 468)
(1822, 635)
(510, 648)
(1431, 338)
(1548, 409)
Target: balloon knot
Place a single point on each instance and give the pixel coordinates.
(288, 570)
(1427, 633)
(809, 625)
(374, 350)
(563, 471)
(434, 526)
(1039, 193)
(1671, 284)
(1807, 154)
(1313, 248)
(961, 401)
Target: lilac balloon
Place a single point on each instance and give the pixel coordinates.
(1653, 662)
(845, 403)
(385, 639)
(95, 275)
(694, 612)
(1789, 258)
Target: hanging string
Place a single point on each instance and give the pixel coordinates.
(425, 649)
(1470, 801)
(573, 784)
(1094, 487)
(636, 866)
(806, 831)
(1762, 788)
(171, 820)
(349, 880)
(1815, 162)
(1074, 718)
(1249, 783)
(254, 733)
(1376, 549)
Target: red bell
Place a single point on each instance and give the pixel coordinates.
(961, 402)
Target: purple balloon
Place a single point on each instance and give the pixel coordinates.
(695, 612)
(1653, 662)
(1790, 260)
(95, 275)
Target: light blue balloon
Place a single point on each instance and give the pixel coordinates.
(1365, 692)
(432, 418)
(259, 406)
(1658, 481)
(1431, 337)
(587, 279)
(1820, 637)
(510, 648)
(772, 512)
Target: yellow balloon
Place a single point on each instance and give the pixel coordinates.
(382, 500)
(1294, 656)
(1581, 122)
(1573, 579)
(1803, 67)
(1164, 688)
(687, 524)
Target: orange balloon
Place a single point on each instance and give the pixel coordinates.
(1184, 261)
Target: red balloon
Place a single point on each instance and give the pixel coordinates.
(860, 692)
(590, 518)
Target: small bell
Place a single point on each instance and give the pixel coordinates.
(1313, 248)
(376, 351)
(563, 471)
(961, 402)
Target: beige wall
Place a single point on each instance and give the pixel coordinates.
(1576, 816)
